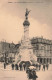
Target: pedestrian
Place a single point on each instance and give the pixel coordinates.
(30, 75)
(24, 66)
(20, 66)
(47, 66)
(4, 65)
(44, 67)
(16, 66)
(39, 66)
(36, 66)
(12, 66)
(34, 75)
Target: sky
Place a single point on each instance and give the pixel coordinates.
(12, 16)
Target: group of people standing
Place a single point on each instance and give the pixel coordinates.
(38, 66)
(18, 67)
(23, 66)
(41, 66)
(45, 66)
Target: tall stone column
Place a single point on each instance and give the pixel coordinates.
(25, 50)
(26, 33)
(26, 24)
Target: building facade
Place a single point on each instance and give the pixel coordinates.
(8, 51)
(42, 48)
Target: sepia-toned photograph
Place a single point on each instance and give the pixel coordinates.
(25, 39)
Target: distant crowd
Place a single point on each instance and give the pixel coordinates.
(24, 67)
(16, 66)
(31, 72)
(41, 66)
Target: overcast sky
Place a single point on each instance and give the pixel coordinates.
(12, 16)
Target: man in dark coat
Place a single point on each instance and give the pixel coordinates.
(4, 65)
(39, 66)
(12, 66)
(34, 75)
(47, 66)
(24, 66)
(36, 66)
(44, 67)
(20, 66)
(16, 66)
(30, 74)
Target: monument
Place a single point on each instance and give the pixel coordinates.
(26, 50)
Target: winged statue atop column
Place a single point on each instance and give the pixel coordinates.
(27, 13)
